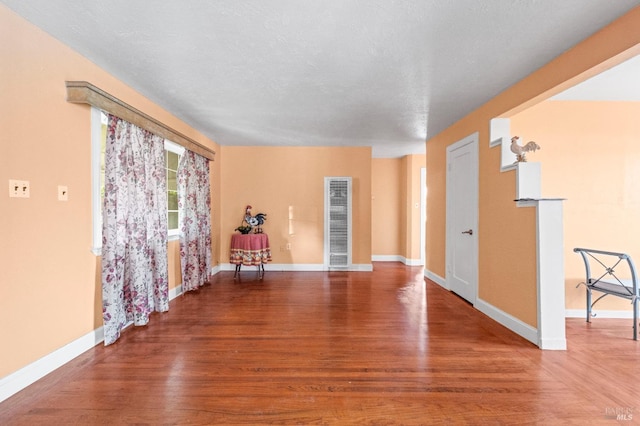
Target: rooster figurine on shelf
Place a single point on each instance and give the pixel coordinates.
(520, 150)
(255, 221)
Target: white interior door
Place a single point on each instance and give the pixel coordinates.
(462, 218)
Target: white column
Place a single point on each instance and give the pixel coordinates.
(550, 254)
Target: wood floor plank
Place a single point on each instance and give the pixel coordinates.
(336, 348)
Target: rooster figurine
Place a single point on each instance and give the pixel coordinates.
(255, 221)
(520, 150)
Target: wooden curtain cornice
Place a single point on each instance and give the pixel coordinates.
(86, 93)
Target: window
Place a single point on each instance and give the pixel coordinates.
(98, 146)
(172, 155)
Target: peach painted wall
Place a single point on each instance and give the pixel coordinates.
(287, 183)
(591, 156)
(386, 199)
(405, 220)
(436, 207)
(215, 171)
(414, 163)
(396, 219)
(507, 245)
(48, 276)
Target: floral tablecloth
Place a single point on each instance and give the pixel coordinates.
(250, 249)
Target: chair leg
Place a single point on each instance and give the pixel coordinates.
(588, 305)
(635, 319)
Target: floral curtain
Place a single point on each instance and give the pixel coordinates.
(134, 228)
(194, 200)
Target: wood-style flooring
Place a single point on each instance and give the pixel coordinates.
(380, 348)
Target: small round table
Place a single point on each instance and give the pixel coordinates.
(250, 250)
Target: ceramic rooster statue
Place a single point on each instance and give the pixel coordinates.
(520, 150)
(255, 221)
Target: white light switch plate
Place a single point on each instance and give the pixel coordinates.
(63, 193)
(18, 188)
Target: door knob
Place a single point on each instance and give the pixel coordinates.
(470, 232)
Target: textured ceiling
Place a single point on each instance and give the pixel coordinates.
(378, 73)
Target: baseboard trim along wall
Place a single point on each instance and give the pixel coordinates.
(175, 292)
(215, 269)
(15, 382)
(297, 267)
(511, 322)
(387, 258)
(395, 258)
(436, 278)
(501, 317)
(33, 372)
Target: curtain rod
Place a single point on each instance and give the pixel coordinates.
(84, 92)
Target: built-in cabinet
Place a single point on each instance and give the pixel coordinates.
(337, 219)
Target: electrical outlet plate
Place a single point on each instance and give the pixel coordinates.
(63, 193)
(19, 188)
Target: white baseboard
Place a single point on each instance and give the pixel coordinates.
(553, 344)
(387, 258)
(215, 270)
(278, 267)
(361, 267)
(396, 258)
(507, 320)
(582, 313)
(511, 322)
(175, 292)
(436, 278)
(15, 382)
(297, 267)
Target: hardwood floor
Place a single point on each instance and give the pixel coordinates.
(378, 348)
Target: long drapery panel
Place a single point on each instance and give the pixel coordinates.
(194, 201)
(134, 228)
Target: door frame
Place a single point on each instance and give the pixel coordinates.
(423, 216)
(474, 200)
